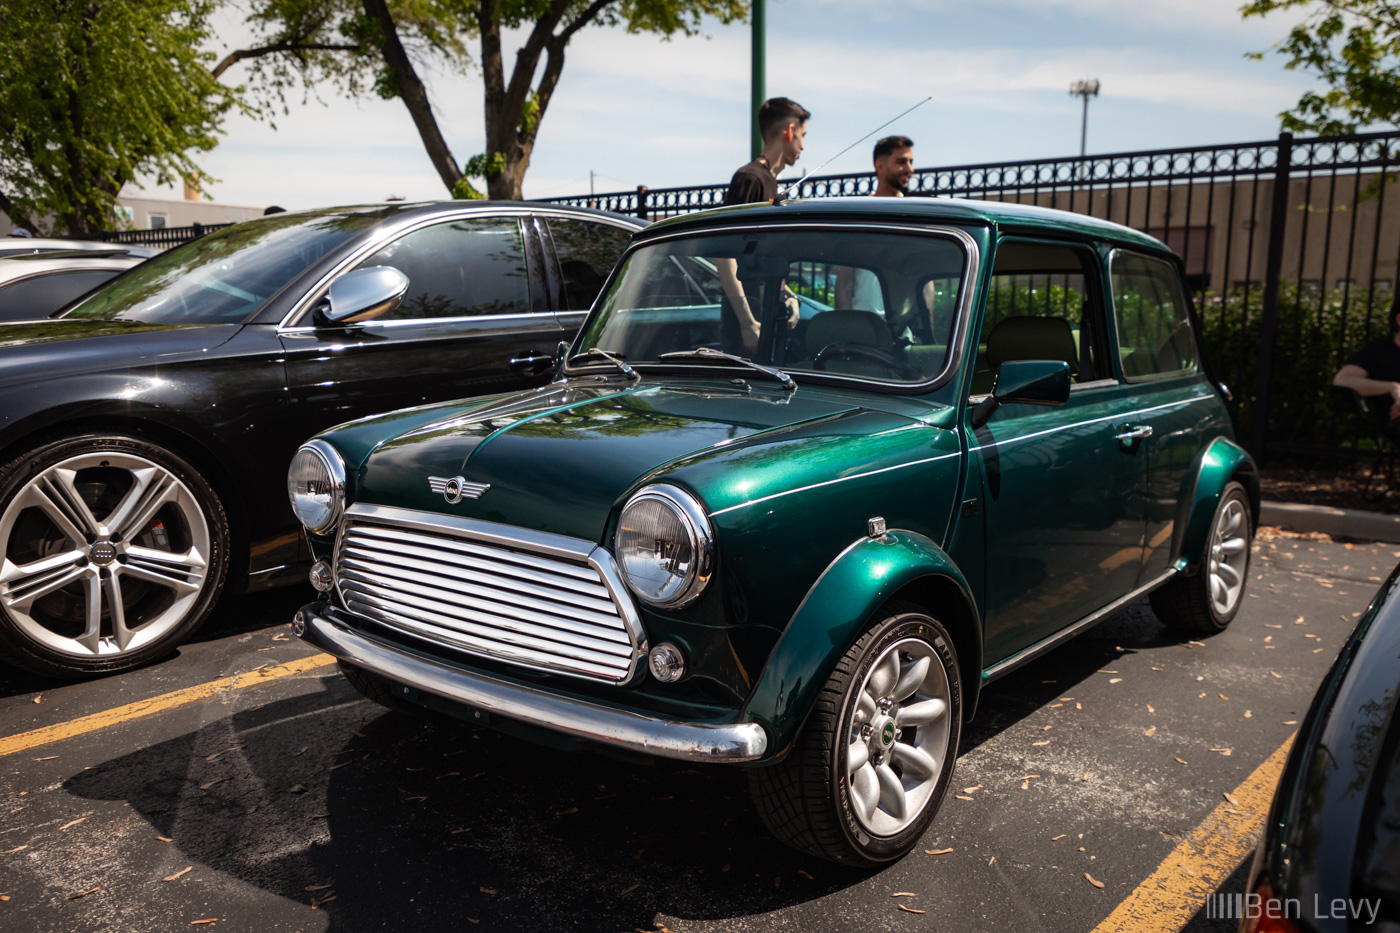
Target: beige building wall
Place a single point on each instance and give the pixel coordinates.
(1339, 228)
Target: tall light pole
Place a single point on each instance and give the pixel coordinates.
(756, 76)
(1086, 89)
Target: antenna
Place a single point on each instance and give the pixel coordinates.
(808, 176)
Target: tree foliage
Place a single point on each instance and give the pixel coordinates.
(95, 92)
(1354, 47)
(380, 46)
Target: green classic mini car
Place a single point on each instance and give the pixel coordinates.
(812, 475)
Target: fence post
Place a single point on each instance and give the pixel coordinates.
(642, 201)
(198, 229)
(1273, 271)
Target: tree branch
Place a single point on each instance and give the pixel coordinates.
(414, 94)
(239, 55)
(583, 19)
(16, 217)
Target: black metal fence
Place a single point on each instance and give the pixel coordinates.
(163, 237)
(1291, 246)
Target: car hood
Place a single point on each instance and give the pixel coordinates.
(560, 459)
(47, 349)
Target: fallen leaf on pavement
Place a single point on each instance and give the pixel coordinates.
(910, 910)
(49, 758)
(903, 894)
(1115, 680)
(632, 887)
(1151, 731)
(1248, 714)
(1222, 696)
(211, 783)
(195, 923)
(1182, 760)
(1276, 674)
(1233, 802)
(1151, 708)
(937, 851)
(92, 890)
(1059, 837)
(297, 789)
(184, 871)
(1092, 880)
(806, 874)
(566, 812)
(316, 887)
(71, 823)
(962, 797)
(14, 850)
(1290, 722)
(1046, 742)
(488, 890)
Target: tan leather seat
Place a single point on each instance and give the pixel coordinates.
(1026, 338)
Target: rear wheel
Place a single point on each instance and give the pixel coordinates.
(1207, 602)
(112, 552)
(874, 761)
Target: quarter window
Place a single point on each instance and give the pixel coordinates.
(587, 252)
(461, 269)
(1154, 328)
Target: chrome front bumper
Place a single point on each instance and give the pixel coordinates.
(573, 717)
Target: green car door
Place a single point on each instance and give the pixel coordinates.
(1060, 486)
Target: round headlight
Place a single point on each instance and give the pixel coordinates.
(316, 486)
(664, 546)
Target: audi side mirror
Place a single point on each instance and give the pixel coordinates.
(363, 295)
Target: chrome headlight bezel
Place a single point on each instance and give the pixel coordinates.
(700, 538)
(334, 465)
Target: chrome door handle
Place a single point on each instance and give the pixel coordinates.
(1132, 434)
(532, 362)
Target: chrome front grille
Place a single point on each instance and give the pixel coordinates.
(527, 598)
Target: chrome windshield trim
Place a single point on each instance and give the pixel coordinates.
(957, 340)
(581, 719)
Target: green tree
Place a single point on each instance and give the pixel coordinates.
(94, 93)
(380, 45)
(1354, 47)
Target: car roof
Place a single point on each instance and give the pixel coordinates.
(28, 246)
(923, 210)
(46, 263)
(403, 209)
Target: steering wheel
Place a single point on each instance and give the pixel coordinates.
(860, 351)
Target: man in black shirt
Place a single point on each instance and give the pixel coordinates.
(783, 125)
(1375, 370)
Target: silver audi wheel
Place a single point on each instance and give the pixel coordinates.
(111, 551)
(897, 742)
(866, 777)
(1229, 556)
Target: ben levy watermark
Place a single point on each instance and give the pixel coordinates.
(1254, 906)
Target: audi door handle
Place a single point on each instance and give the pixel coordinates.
(531, 362)
(1132, 434)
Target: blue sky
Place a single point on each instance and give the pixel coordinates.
(638, 110)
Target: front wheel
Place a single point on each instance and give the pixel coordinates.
(112, 551)
(1207, 602)
(872, 765)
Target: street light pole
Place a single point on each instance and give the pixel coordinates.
(756, 75)
(1085, 89)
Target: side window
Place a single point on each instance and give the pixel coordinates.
(460, 269)
(587, 252)
(1154, 329)
(1042, 305)
(42, 295)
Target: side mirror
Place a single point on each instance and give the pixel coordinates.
(363, 295)
(1026, 382)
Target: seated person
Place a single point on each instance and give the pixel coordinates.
(1374, 370)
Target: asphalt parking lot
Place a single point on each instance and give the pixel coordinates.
(244, 785)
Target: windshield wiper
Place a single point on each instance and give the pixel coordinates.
(622, 367)
(708, 353)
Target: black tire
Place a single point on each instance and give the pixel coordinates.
(805, 800)
(166, 557)
(1193, 604)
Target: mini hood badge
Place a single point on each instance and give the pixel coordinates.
(456, 488)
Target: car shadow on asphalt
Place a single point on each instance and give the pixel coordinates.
(408, 820)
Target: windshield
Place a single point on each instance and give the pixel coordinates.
(225, 276)
(845, 302)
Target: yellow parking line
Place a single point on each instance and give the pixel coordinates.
(1197, 867)
(167, 701)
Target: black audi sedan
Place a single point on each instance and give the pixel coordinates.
(145, 431)
(1329, 859)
